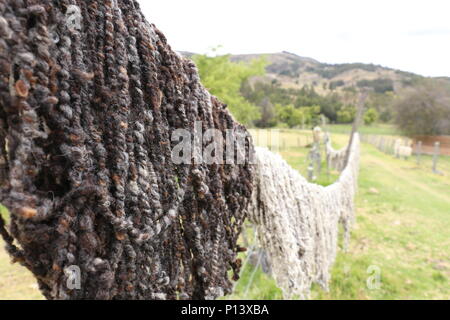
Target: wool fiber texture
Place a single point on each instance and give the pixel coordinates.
(335, 158)
(297, 222)
(90, 94)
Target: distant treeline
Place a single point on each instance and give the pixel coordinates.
(262, 102)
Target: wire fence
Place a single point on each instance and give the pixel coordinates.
(411, 150)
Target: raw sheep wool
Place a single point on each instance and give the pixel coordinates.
(335, 158)
(90, 94)
(297, 221)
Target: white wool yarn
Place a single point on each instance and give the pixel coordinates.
(335, 158)
(297, 221)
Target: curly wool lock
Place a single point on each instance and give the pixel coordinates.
(90, 95)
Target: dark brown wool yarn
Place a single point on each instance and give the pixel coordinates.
(90, 94)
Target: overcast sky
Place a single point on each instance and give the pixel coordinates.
(409, 35)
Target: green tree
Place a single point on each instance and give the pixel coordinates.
(424, 110)
(382, 103)
(224, 79)
(295, 117)
(370, 116)
(346, 114)
(268, 116)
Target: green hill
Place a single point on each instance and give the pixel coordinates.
(293, 71)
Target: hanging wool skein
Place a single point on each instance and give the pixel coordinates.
(335, 158)
(90, 94)
(297, 221)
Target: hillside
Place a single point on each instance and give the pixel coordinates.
(293, 71)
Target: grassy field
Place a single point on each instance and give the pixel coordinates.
(402, 228)
(378, 129)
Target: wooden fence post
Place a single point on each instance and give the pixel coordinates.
(269, 139)
(418, 151)
(356, 122)
(310, 171)
(436, 156)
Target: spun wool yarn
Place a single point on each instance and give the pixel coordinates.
(297, 222)
(90, 94)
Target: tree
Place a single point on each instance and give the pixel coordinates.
(382, 103)
(268, 117)
(224, 78)
(295, 117)
(424, 110)
(346, 114)
(370, 116)
(379, 85)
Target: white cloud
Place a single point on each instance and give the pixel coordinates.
(408, 35)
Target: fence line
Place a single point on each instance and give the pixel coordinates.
(404, 148)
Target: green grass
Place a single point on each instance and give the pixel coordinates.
(402, 227)
(379, 129)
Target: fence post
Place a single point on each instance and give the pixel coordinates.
(310, 171)
(356, 122)
(315, 158)
(318, 159)
(382, 144)
(269, 139)
(418, 151)
(397, 145)
(436, 156)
